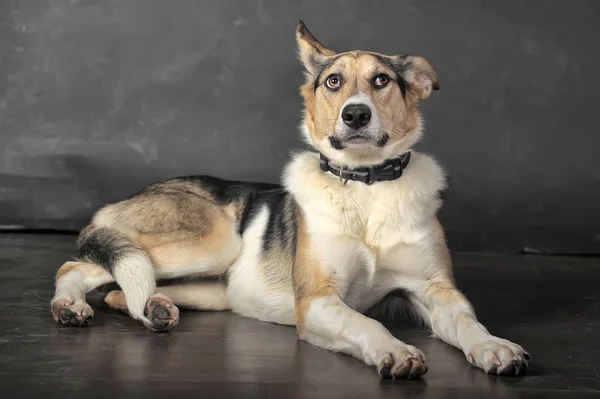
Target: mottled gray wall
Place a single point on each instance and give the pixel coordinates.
(99, 98)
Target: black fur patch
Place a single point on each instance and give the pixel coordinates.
(224, 192)
(336, 143)
(396, 67)
(105, 246)
(281, 225)
(306, 34)
(228, 191)
(316, 83)
(253, 204)
(320, 68)
(401, 84)
(248, 213)
(383, 141)
(248, 195)
(280, 238)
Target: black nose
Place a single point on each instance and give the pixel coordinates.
(356, 115)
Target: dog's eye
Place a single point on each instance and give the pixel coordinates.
(333, 82)
(381, 80)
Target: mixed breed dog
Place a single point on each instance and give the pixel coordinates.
(351, 223)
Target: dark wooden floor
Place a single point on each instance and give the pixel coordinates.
(551, 306)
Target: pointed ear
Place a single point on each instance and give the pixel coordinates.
(310, 51)
(420, 77)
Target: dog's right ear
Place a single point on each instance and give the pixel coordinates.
(310, 51)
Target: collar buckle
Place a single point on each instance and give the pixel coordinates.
(392, 171)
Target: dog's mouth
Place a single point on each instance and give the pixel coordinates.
(358, 141)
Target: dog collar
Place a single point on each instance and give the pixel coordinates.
(389, 170)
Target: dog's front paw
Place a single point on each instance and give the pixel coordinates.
(401, 361)
(499, 356)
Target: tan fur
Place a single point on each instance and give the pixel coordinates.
(176, 223)
(307, 42)
(421, 77)
(197, 295)
(164, 206)
(232, 211)
(443, 254)
(86, 269)
(66, 268)
(172, 250)
(398, 115)
(309, 280)
(116, 300)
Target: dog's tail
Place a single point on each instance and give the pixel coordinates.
(126, 260)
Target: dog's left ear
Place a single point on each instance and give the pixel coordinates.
(310, 51)
(419, 75)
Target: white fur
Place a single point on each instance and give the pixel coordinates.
(370, 240)
(72, 288)
(135, 274)
(363, 156)
(211, 264)
(74, 285)
(352, 224)
(249, 295)
(381, 215)
(354, 227)
(374, 125)
(356, 334)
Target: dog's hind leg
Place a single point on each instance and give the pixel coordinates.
(160, 310)
(135, 266)
(73, 281)
(178, 228)
(198, 295)
(126, 261)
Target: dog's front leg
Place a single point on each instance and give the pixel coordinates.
(325, 321)
(453, 319)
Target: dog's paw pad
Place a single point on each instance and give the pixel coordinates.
(70, 313)
(161, 312)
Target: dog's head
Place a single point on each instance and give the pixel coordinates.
(361, 108)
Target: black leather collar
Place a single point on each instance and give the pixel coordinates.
(389, 170)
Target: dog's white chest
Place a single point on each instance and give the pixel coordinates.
(380, 215)
(358, 228)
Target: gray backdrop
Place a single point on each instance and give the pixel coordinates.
(99, 98)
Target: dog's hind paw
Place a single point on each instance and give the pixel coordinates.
(71, 313)
(161, 312)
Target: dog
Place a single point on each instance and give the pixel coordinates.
(352, 221)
